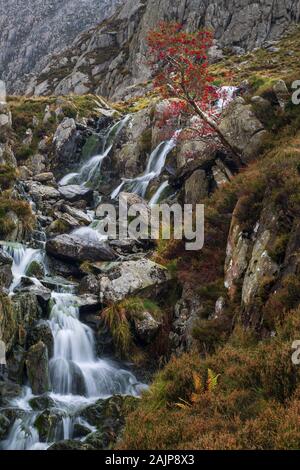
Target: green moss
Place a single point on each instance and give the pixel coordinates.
(21, 208)
(118, 318)
(8, 176)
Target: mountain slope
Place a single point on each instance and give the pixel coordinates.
(112, 56)
(30, 30)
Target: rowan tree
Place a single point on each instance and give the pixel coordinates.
(180, 66)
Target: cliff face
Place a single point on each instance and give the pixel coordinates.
(30, 30)
(112, 56)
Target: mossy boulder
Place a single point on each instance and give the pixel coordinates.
(35, 269)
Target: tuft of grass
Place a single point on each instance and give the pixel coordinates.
(118, 317)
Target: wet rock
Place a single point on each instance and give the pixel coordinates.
(16, 365)
(41, 332)
(108, 417)
(98, 440)
(41, 403)
(4, 426)
(62, 268)
(75, 193)
(37, 368)
(48, 424)
(27, 311)
(80, 430)
(35, 269)
(74, 248)
(8, 391)
(146, 327)
(77, 382)
(41, 293)
(131, 278)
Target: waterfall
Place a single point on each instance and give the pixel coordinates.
(226, 95)
(78, 377)
(74, 367)
(22, 258)
(90, 171)
(154, 168)
(157, 195)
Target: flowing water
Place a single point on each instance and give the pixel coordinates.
(154, 168)
(89, 172)
(158, 194)
(77, 376)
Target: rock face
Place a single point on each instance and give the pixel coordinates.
(243, 130)
(72, 248)
(30, 30)
(98, 59)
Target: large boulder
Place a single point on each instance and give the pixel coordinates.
(196, 187)
(74, 248)
(74, 192)
(131, 278)
(37, 368)
(8, 391)
(64, 139)
(40, 192)
(243, 130)
(129, 161)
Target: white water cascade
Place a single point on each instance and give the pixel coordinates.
(154, 168)
(22, 258)
(157, 195)
(90, 170)
(77, 376)
(74, 368)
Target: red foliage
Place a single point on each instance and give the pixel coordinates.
(179, 61)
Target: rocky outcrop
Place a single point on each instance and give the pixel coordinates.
(31, 30)
(128, 278)
(111, 58)
(243, 130)
(146, 327)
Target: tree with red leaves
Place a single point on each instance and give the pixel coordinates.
(179, 61)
